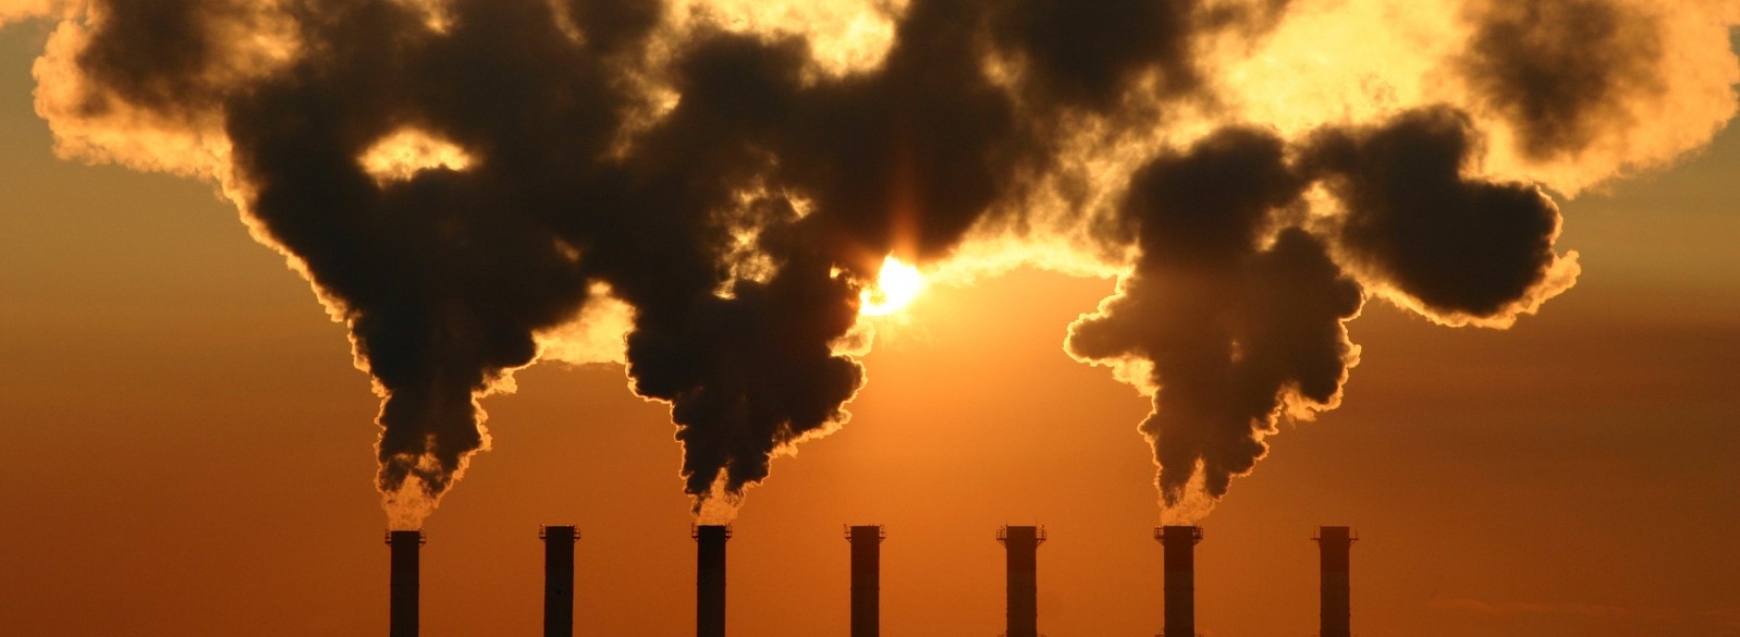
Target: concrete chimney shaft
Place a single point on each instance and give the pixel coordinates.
(559, 579)
(1334, 542)
(710, 579)
(1179, 547)
(866, 580)
(403, 617)
(1022, 546)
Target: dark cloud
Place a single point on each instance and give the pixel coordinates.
(913, 153)
(752, 373)
(151, 53)
(614, 26)
(1419, 221)
(1562, 71)
(1086, 52)
(444, 277)
(1233, 328)
(740, 222)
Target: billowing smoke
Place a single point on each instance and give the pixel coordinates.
(1459, 247)
(1561, 70)
(470, 184)
(1233, 311)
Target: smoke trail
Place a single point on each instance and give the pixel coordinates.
(463, 181)
(444, 277)
(1230, 330)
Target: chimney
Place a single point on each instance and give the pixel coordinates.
(710, 579)
(405, 545)
(866, 579)
(558, 579)
(1334, 542)
(1022, 545)
(1179, 545)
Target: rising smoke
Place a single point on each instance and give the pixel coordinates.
(463, 180)
(1229, 328)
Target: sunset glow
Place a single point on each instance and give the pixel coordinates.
(505, 315)
(895, 288)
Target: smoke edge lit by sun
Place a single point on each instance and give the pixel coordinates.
(693, 232)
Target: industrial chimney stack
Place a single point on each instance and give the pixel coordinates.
(1179, 546)
(405, 546)
(1022, 546)
(866, 579)
(1335, 542)
(559, 579)
(710, 579)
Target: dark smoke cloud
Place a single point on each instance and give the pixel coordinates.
(1416, 218)
(922, 146)
(179, 37)
(1563, 72)
(1234, 329)
(1086, 53)
(444, 277)
(741, 220)
(910, 156)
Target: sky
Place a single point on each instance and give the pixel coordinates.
(189, 447)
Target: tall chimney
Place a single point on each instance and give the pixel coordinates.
(1022, 545)
(1334, 542)
(405, 545)
(710, 579)
(866, 580)
(558, 579)
(1179, 545)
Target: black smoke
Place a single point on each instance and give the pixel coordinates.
(1237, 314)
(1419, 220)
(738, 200)
(1086, 53)
(1562, 71)
(1238, 300)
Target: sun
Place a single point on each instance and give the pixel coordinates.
(895, 288)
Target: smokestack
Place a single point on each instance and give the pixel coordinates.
(1179, 544)
(558, 579)
(710, 579)
(1334, 542)
(1022, 545)
(405, 545)
(866, 579)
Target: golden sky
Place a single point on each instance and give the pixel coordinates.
(188, 449)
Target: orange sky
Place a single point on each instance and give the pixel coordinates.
(187, 451)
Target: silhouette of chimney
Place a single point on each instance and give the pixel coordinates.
(405, 546)
(1179, 548)
(866, 579)
(1022, 546)
(1334, 542)
(558, 579)
(710, 579)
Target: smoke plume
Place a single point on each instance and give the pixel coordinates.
(1231, 330)
(1460, 248)
(469, 185)
(1560, 70)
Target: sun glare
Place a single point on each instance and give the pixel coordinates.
(895, 288)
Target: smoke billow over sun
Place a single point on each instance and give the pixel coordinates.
(709, 192)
